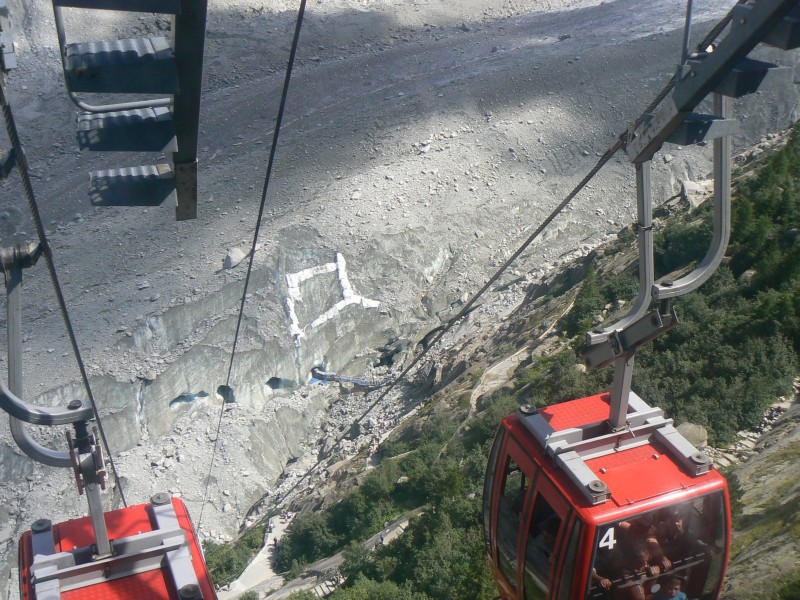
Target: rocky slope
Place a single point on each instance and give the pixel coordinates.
(767, 540)
(481, 356)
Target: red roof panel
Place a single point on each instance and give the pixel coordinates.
(576, 413)
(155, 584)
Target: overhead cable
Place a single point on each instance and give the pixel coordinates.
(265, 187)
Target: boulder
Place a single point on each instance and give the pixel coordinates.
(696, 434)
(234, 257)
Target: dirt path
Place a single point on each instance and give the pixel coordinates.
(260, 577)
(260, 572)
(501, 372)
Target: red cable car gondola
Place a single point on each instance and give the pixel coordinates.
(570, 515)
(155, 555)
(602, 496)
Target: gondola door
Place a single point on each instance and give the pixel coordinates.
(530, 530)
(507, 498)
(551, 543)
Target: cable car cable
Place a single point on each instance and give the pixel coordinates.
(22, 164)
(468, 307)
(265, 187)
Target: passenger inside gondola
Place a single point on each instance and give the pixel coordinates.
(633, 565)
(601, 580)
(671, 535)
(670, 588)
(642, 556)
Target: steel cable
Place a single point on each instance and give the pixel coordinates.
(267, 177)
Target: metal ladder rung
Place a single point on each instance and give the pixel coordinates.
(701, 128)
(142, 130)
(786, 34)
(749, 76)
(149, 185)
(170, 7)
(133, 66)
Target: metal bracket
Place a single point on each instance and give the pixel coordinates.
(723, 106)
(42, 415)
(97, 469)
(752, 24)
(644, 226)
(631, 337)
(750, 75)
(86, 456)
(13, 260)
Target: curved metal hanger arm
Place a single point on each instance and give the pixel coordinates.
(42, 415)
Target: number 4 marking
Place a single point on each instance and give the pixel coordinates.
(608, 541)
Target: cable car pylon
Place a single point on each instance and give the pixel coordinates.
(602, 497)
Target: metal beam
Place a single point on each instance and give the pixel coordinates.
(190, 29)
(644, 226)
(751, 24)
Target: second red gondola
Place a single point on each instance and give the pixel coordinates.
(648, 516)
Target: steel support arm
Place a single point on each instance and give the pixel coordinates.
(722, 216)
(750, 25)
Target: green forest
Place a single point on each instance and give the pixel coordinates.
(735, 352)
